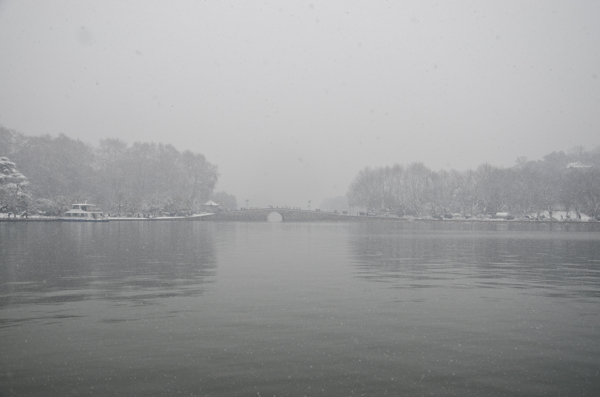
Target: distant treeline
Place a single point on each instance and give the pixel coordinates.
(144, 177)
(558, 182)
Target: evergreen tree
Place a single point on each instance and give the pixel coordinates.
(13, 197)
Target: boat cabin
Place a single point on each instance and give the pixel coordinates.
(84, 212)
(86, 207)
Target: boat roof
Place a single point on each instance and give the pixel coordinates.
(85, 207)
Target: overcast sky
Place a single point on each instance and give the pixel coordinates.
(292, 99)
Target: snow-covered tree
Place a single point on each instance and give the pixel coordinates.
(13, 197)
(199, 177)
(225, 200)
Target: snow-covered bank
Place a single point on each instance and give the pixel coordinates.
(32, 218)
(557, 216)
(162, 218)
(566, 216)
(39, 218)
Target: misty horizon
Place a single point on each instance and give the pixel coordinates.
(340, 202)
(290, 101)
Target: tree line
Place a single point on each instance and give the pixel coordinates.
(122, 178)
(561, 181)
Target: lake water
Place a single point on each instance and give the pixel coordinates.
(294, 309)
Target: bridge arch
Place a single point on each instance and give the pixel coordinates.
(275, 216)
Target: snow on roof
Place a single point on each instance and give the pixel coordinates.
(211, 203)
(577, 164)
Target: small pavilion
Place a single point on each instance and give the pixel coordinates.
(211, 206)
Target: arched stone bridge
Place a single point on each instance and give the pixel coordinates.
(287, 215)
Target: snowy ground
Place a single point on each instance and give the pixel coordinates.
(122, 218)
(556, 215)
(5, 216)
(565, 215)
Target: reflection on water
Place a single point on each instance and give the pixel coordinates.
(546, 259)
(134, 262)
(292, 309)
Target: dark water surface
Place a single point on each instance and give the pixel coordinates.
(285, 309)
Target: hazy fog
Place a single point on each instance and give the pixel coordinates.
(291, 99)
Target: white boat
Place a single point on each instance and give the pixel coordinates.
(84, 213)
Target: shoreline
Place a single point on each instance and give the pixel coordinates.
(342, 219)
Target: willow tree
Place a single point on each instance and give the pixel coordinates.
(199, 177)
